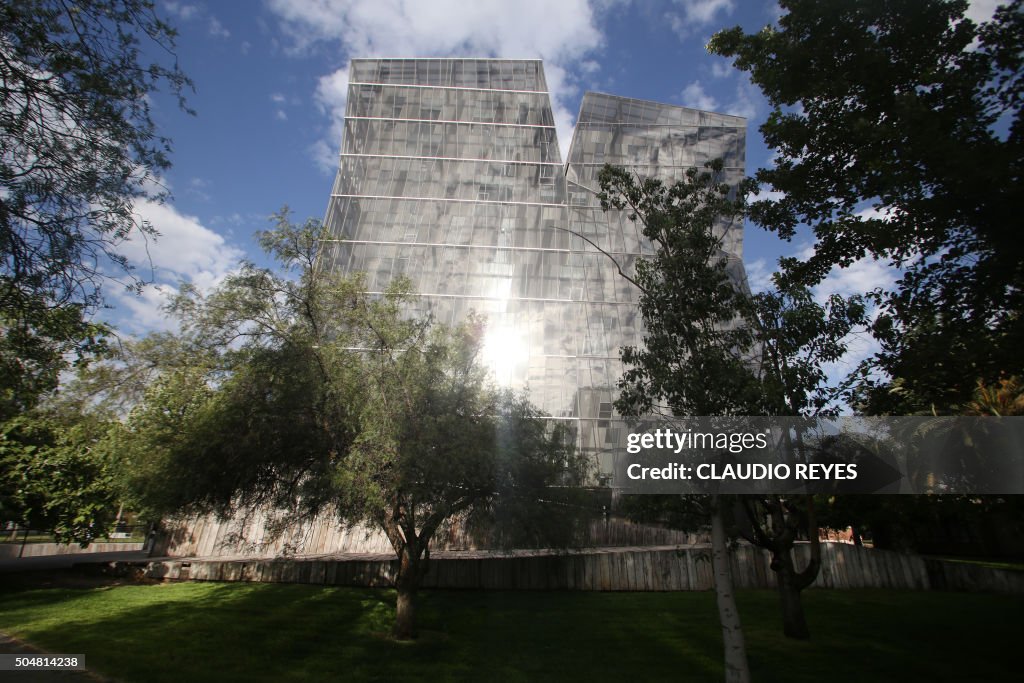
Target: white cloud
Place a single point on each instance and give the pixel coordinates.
(982, 10)
(216, 29)
(696, 97)
(747, 100)
(185, 251)
(860, 277)
(693, 15)
(774, 11)
(393, 27)
(561, 82)
(187, 12)
(759, 276)
(142, 312)
(705, 11)
(746, 103)
(722, 69)
(198, 187)
(181, 10)
(282, 101)
(564, 34)
(765, 193)
(330, 96)
(857, 278)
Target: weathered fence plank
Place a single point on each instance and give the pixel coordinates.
(636, 569)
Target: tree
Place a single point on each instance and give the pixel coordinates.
(797, 338)
(898, 135)
(56, 475)
(711, 348)
(945, 524)
(78, 150)
(310, 396)
(689, 363)
(35, 345)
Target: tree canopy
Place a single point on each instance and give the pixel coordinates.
(713, 348)
(898, 135)
(78, 150)
(77, 142)
(56, 475)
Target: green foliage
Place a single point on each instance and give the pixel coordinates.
(906, 107)
(255, 403)
(711, 347)
(798, 338)
(305, 394)
(696, 358)
(116, 380)
(56, 475)
(36, 342)
(1004, 398)
(77, 142)
(988, 526)
(78, 148)
(535, 497)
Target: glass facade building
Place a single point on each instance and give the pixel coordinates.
(451, 174)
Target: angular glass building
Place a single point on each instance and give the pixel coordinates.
(451, 174)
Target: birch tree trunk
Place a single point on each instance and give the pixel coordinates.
(736, 668)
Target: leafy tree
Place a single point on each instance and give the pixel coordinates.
(797, 338)
(310, 396)
(35, 345)
(689, 363)
(906, 108)
(56, 465)
(57, 476)
(711, 348)
(78, 149)
(77, 143)
(944, 524)
(119, 375)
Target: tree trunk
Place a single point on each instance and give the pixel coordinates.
(405, 613)
(736, 668)
(794, 623)
(410, 570)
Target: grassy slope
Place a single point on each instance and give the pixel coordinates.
(265, 632)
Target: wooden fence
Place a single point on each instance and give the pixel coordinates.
(12, 550)
(608, 569)
(209, 537)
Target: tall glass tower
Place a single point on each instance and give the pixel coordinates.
(451, 174)
(652, 140)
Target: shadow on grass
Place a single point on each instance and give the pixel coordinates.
(275, 632)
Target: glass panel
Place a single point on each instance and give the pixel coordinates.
(458, 184)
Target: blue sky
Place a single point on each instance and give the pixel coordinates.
(271, 75)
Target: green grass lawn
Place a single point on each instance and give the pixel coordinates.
(268, 632)
(983, 562)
